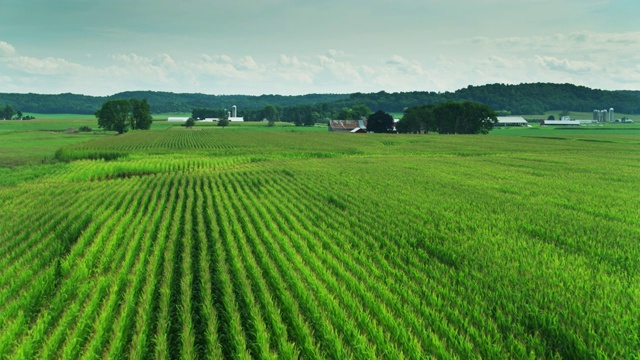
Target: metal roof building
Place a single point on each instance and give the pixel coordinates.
(177, 119)
(560, 123)
(511, 121)
(347, 125)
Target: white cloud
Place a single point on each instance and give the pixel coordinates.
(566, 65)
(6, 49)
(46, 66)
(600, 60)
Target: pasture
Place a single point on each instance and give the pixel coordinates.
(215, 243)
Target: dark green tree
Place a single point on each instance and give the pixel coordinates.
(190, 122)
(551, 117)
(115, 115)
(7, 112)
(464, 118)
(270, 113)
(223, 122)
(347, 114)
(140, 114)
(380, 122)
(360, 111)
(417, 119)
(123, 115)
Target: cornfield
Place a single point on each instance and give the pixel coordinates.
(210, 244)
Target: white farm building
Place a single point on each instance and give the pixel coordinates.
(235, 116)
(177, 119)
(511, 121)
(560, 123)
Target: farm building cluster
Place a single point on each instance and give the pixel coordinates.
(231, 116)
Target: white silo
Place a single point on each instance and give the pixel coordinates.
(235, 111)
(596, 115)
(611, 119)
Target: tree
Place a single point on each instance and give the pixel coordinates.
(122, 115)
(140, 114)
(223, 122)
(114, 115)
(19, 114)
(270, 113)
(417, 119)
(360, 111)
(464, 118)
(380, 122)
(347, 114)
(190, 122)
(7, 112)
(551, 117)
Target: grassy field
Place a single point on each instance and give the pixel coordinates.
(261, 243)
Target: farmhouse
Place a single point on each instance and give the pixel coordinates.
(353, 126)
(511, 121)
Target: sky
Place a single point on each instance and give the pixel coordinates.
(292, 47)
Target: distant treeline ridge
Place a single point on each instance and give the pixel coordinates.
(535, 98)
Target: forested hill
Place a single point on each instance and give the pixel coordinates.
(160, 102)
(518, 99)
(523, 99)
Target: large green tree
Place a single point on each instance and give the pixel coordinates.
(6, 112)
(380, 122)
(270, 112)
(464, 118)
(122, 115)
(141, 118)
(114, 115)
(417, 119)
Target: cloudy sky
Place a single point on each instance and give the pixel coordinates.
(101, 47)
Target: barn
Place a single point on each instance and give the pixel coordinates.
(511, 121)
(348, 125)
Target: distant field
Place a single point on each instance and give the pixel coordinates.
(219, 243)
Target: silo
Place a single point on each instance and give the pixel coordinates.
(611, 119)
(596, 115)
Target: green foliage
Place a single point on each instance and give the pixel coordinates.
(380, 122)
(252, 244)
(122, 115)
(522, 99)
(270, 113)
(463, 118)
(140, 114)
(114, 115)
(190, 122)
(417, 119)
(6, 112)
(223, 122)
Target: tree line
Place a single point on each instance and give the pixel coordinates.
(450, 117)
(522, 99)
(8, 113)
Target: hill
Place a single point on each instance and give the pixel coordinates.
(534, 98)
